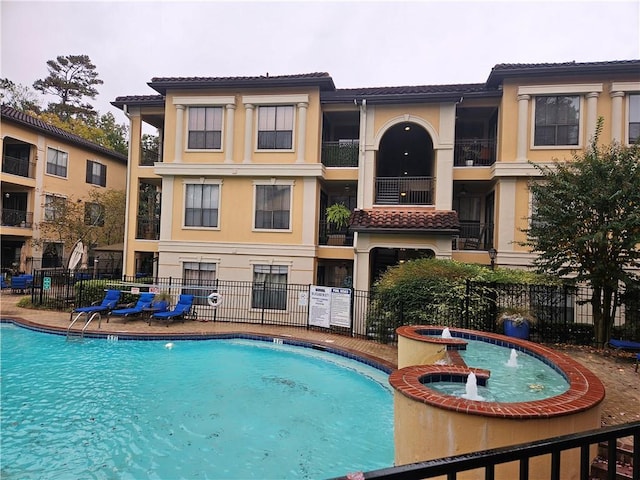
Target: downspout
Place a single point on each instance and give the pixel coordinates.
(127, 203)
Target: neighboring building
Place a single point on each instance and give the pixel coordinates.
(248, 165)
(42, 163)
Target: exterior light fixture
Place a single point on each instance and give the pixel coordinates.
(407, 128)
(493, 253)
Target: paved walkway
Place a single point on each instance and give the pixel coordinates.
(616, 371)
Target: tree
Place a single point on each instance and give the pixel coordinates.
(18, 96)
(97, 219)
(586, 223)
(71, 78)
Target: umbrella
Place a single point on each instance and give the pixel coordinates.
(76, 255)
(85, 258)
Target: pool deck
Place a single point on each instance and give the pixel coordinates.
(615, 370)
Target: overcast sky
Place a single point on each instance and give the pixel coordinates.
(360, 44)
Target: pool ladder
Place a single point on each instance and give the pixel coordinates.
(86, 325)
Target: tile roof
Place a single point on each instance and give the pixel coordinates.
(407, 94)
(320, 79)
(503, 70)
(428, 221)
(12, 115)
(143, 100)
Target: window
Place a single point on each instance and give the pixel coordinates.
(205, 128)
(54, 207)
(202, 278)
(93, 214)
(57, 162)
(273, 207)
(96, 173)
(269, 287)
(557, 120)
(275, 128)
(634, 118)
(201, 206)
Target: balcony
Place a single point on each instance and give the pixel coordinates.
(16, 218)
(148, 229)
(342, 153)
(148, 157)
(338, 237)
(18, 166)
(474, 236)
(404, 190)
(474, 153)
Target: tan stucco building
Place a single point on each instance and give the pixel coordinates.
(246, 167)
(42, 163)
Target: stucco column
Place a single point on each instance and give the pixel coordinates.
(302, 131)
(166, 207)
(616, 116)
(228, 138)
(523, 114)
(361, 270)
(248, 132)
(592, 114)
(177, 157)
(507, 215)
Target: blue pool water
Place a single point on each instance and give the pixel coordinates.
(532, 379)
(200, 410)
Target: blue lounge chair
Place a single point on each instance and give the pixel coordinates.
(21, 283)
(182, 308)
(109, 302)
(144, 302)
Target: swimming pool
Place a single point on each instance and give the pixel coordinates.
(202, 409)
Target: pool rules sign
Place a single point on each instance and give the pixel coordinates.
(329, 306)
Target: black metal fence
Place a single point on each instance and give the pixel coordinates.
(563, 313)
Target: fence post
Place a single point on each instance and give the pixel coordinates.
(264, 291)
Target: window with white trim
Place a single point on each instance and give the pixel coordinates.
(275, 127)
(557, 120)
(201, 205)
(54, 207)
(634, 117)
(273, 207)
(269, 289)
(96, 173)
(205, 128)
(57, 162)
(201, 277)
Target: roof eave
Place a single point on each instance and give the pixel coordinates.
(323, 83)
(429, 231)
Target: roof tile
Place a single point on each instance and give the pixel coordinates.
(424, 220)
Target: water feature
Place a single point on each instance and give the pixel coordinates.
(446, 333)
(513, 359)
(471, 388)
(187, 409)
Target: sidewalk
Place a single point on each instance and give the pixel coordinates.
(615, 371)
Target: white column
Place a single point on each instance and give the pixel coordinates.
(302, 131)
(248, 132)
(228, 138)
(507, 215)
(179, 133)
(592, 114)
(523, 114)
(616, 116)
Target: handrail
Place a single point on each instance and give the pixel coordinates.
(488, 459)
(86, 325)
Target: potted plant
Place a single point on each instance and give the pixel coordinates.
(516, 321)
(337, 216)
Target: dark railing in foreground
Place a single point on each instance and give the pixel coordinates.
(474, 153)
(487, 460)
(16, 218)
(340, 154)
(18, 166)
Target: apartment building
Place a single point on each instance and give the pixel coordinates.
(42, 164)
(247, 166)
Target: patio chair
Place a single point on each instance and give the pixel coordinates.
(133, 310)
(182, 308)
(109, 302)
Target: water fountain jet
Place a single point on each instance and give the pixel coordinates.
(471, 388)
(446, 333)
(513, 358)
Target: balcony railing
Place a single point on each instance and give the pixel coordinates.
(474, 236)
(18, 166)
(330, 235)
(404, 190)
(16, 218)
(148, 157)
(343, 153)
(148, 229)
(474, 153)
